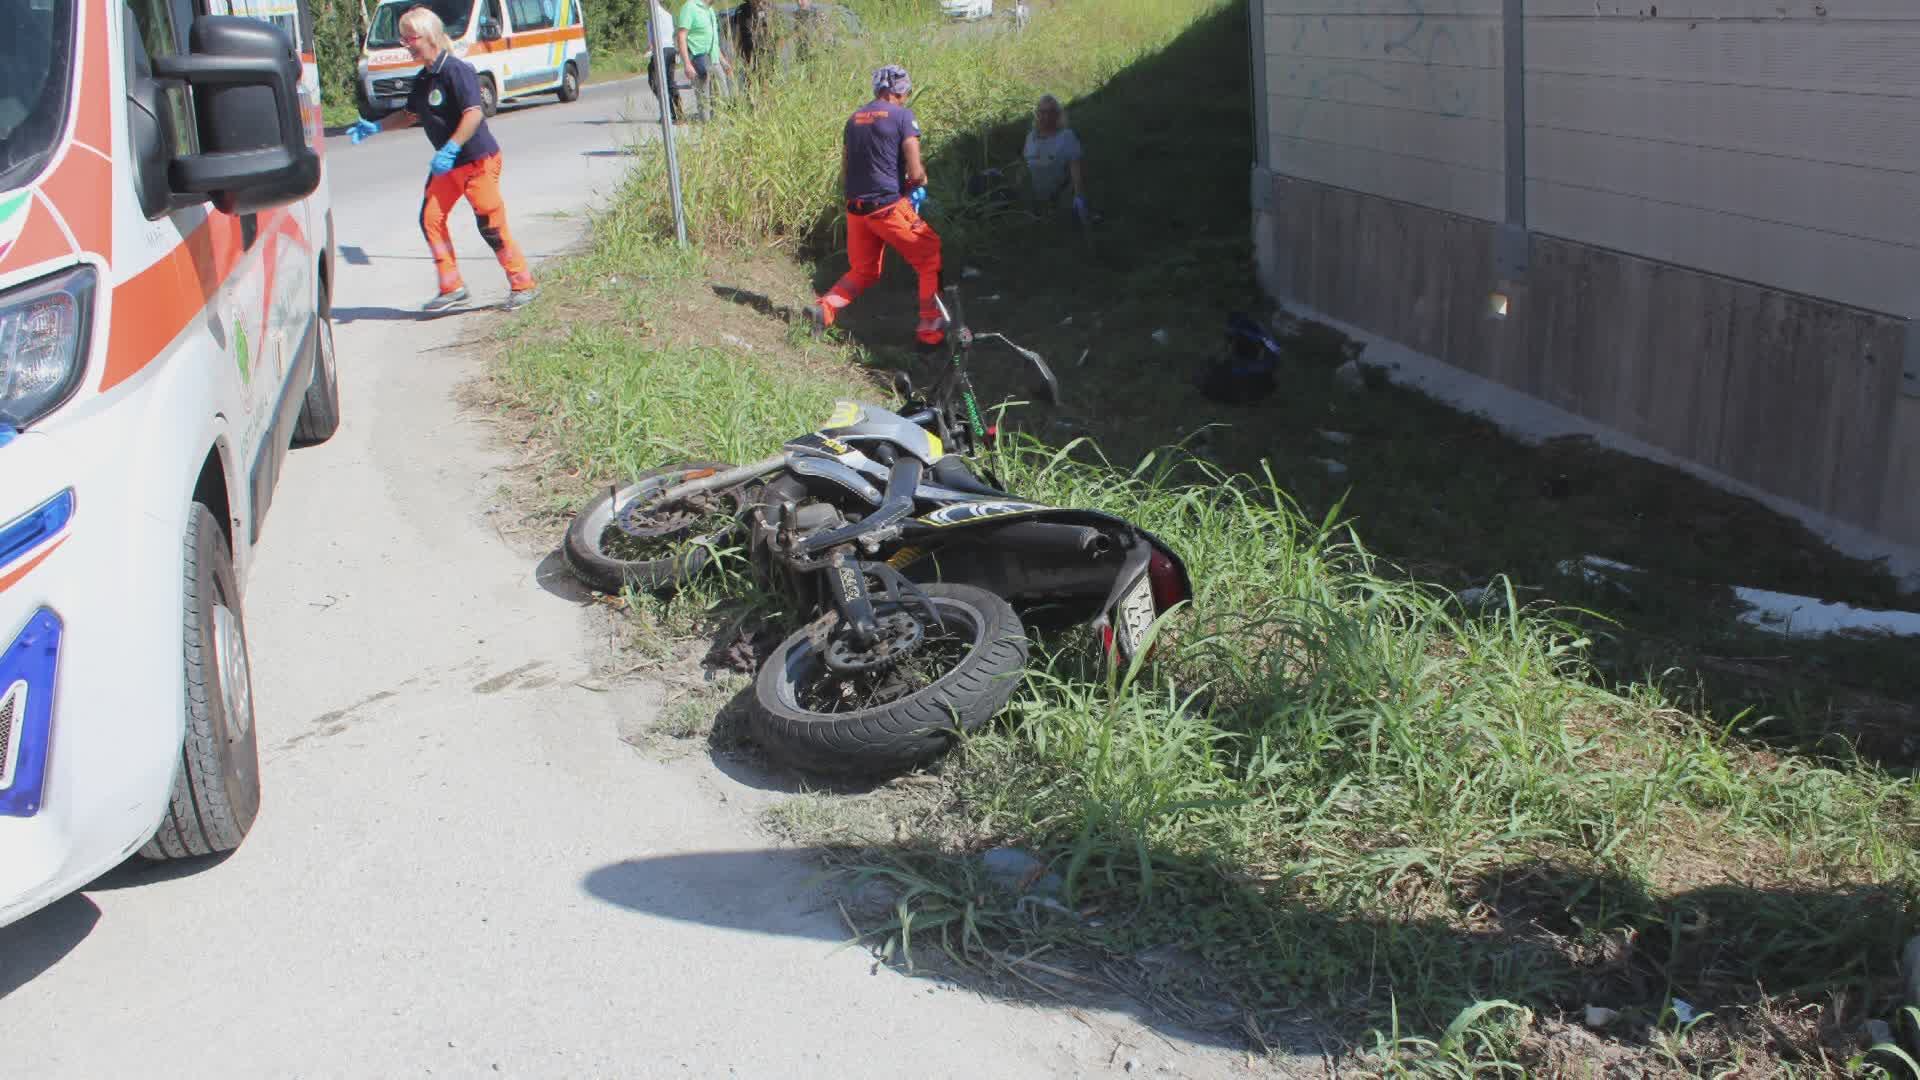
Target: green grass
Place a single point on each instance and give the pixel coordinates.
(1435, 828)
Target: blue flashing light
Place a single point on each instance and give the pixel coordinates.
(31, 659)
(35, 527)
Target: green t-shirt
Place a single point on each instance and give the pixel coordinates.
(701, 25)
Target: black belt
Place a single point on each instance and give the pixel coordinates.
(871, 206)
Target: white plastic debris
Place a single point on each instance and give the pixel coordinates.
(1683, 1012)
(1082, 362)
(1068, 321)
(1334, 468)
(1337, 438)
(1161, 337)
(969, 272)
(966, 9)
(1804, 616)
(1599, 1016)
(1596, 570)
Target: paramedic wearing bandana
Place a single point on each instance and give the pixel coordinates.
(466, 163)
(885, 183)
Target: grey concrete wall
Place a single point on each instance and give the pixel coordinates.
(1791, 395)
(1706, 214)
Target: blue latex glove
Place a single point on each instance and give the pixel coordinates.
(1080, 208)
(361, 129)
(918, 197)
(443, 161)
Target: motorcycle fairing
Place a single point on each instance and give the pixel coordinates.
(855, 423)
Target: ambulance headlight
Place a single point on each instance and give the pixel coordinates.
(43, 344)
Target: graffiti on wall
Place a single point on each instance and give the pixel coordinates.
(1342, 56)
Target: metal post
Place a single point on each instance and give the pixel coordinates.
(662, 89)
(1511, 244)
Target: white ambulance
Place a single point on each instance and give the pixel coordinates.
(519, 48)
(166, 256)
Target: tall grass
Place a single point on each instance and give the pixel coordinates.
(1336, 783)
(768, 171)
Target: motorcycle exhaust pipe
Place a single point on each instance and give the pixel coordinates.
(1048, 538)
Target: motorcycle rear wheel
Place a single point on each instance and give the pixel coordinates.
(807, 716)
(607, 559)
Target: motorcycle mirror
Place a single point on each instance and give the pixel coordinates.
(903, 385)
(1051, 385)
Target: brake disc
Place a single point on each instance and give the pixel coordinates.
(899, 634)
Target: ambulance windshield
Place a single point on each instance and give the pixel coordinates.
(36, 62)
(385, 31)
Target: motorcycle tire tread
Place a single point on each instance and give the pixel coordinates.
(901, 736)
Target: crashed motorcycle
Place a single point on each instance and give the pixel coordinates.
(921, 576)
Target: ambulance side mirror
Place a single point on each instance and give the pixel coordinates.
(489, 30)
(245, 80)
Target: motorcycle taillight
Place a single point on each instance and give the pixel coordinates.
(1165, 581)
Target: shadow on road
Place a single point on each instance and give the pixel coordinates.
(783, 892)
(33, 945)
(555, 578)
(342, 315)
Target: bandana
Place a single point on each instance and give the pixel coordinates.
(892, 79)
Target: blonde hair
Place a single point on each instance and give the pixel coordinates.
(422, 21)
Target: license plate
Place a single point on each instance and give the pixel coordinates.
(1135, 615)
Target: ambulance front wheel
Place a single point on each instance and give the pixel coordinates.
(489, 96)
(570, 83)
(216, 780)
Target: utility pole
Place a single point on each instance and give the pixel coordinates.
(663, 92)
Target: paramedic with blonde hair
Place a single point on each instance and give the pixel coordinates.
(445, 100)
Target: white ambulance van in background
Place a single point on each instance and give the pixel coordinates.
(519, 48)
(166, 258)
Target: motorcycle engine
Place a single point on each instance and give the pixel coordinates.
(815, 516)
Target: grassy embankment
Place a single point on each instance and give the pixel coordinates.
(1437, 829)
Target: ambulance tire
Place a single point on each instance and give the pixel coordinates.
(216, 787)
(320, 414)
(570, 84)
(489, 96)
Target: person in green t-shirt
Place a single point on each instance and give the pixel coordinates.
(697, 34)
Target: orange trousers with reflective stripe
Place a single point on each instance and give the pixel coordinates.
(868, 238)
(479, 183)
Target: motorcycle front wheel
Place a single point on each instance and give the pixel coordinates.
(894, 718)
(673, 543)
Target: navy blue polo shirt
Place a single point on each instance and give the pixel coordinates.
(874, 135)
(443, 91)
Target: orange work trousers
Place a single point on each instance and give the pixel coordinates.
(479, 183)
(868, 238)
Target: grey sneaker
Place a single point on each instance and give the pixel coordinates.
(446, 301)
(520, 298)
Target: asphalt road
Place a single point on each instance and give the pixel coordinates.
(459, 867)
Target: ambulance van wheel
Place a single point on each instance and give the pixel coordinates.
(320, 413)
(489, 96)
(216, 788)
(570, 84)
